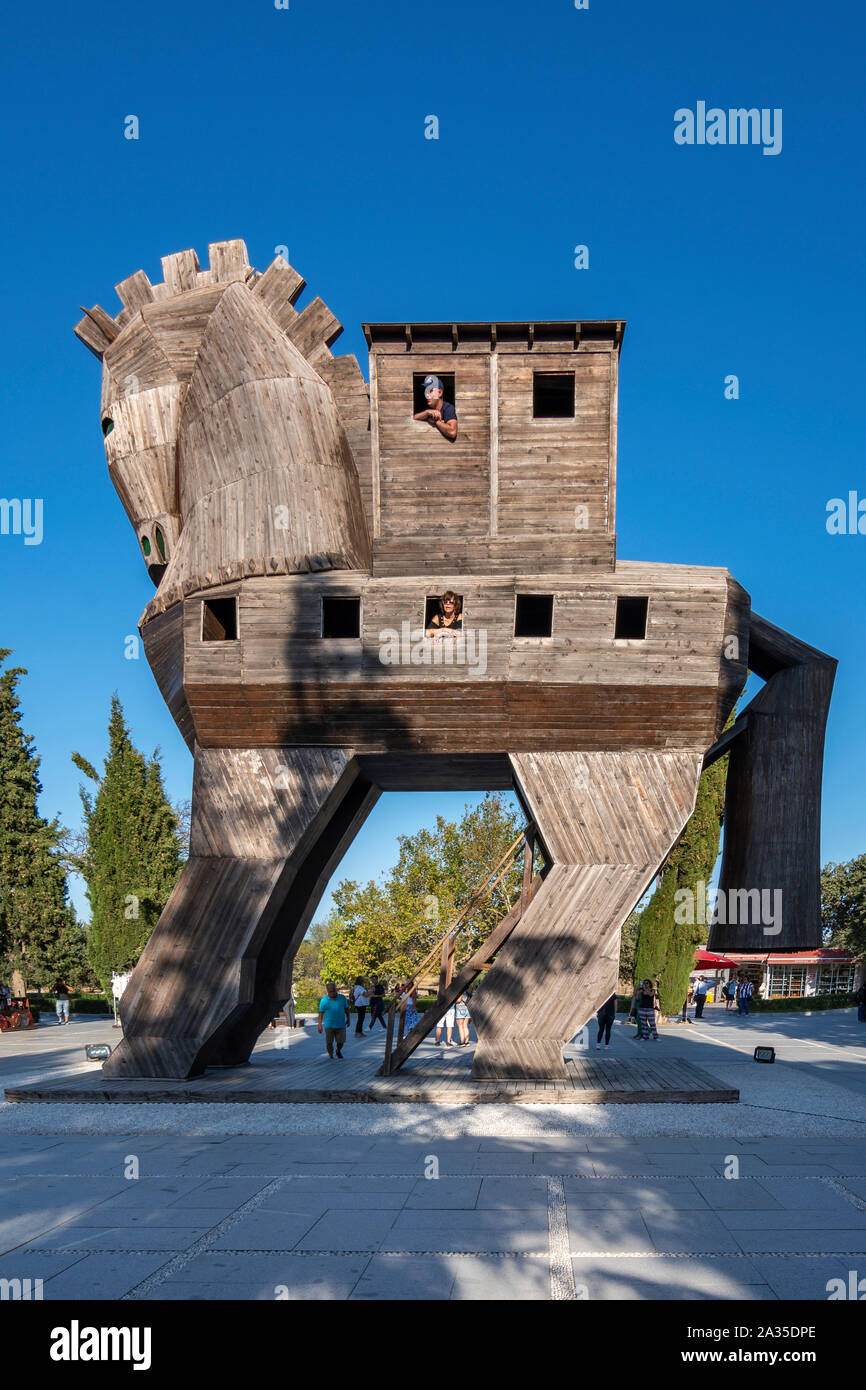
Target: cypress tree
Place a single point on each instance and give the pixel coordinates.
(132, 855)
(39, 937)
(665, 947)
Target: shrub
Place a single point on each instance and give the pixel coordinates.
(78, 1003)
(810, 1004)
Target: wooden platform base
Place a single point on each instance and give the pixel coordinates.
(438, 1079)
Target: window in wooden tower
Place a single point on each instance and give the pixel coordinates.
(533, 615)
(419, 400)
(553, 395)
(219, 619)
(432, 607)
(631, 616)
(341, 617)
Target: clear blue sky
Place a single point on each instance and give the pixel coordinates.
(305, 127)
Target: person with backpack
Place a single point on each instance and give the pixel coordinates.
(730, 993)
(745, 990)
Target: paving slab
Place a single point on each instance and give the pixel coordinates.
(517, 1280)
(803, 1240)
(103, 1276)
(686, 1232)
(660, 1280)
(661, 1194)
(738, 1194)
(513, 1193)
(806, 1279)
(450, 1193)
(469, 1231)
(787, 1220)
(405, 1278)
(152, 1192)
(809, 1196)
(346, 1231)
(75, 1236)
(219, 1194)
(276, 1230)
(328, 1277)
(42, 1264)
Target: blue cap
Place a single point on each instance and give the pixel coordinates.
(432, 381)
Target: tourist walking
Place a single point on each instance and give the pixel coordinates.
(334, 1014)
(745, 990)
(361, 1000)
(701, 987)
(730, 993)
(644, 1005)
(461, 1013)
(860, 996)
(377, 1002)
(605, 1018)
(61, 994)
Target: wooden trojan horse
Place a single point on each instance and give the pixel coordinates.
(298, 526)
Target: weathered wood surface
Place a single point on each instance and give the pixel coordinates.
(268, 828)
(437, 1081)
(606, 822)
(771, 864)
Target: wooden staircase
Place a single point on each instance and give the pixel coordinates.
(452, 985)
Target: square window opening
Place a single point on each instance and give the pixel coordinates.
(553, 395)
(431, 608)
(419, 400)
(219, 619)
(341, 617)
(533, 615)
(631, 618)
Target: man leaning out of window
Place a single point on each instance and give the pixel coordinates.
(440, 414)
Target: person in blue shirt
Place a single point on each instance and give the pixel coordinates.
(440, 414)
(334, 1013)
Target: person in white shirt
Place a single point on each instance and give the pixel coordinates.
(361, 999)
(701, 988)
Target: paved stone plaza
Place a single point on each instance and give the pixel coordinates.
(436, 1202)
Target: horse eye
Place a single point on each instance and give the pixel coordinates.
(107, 425)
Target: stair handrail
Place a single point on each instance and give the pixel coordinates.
(484, 889)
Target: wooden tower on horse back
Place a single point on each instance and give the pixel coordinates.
(299, 524)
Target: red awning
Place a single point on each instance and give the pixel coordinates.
(717, 962)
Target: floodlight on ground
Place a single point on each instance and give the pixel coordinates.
(97, 1052)
(765, 1054)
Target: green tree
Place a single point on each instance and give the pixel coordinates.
(665, 946)
(843, 905)
(627, 946)
(39, 937)
(131, 855)
(387, 928)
